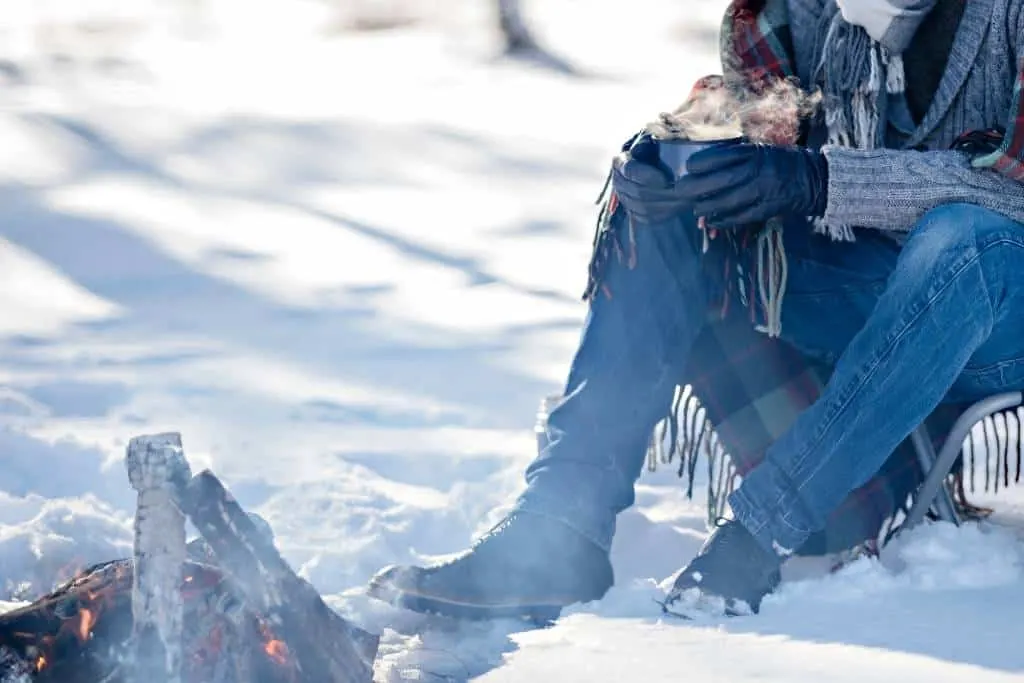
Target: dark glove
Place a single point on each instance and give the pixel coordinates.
(735, 185)
(645, 187)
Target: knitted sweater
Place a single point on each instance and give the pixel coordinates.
(891, 189)
(926, 57)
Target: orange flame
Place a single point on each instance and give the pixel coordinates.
(40, 663)
(276, 650)
(86, 620)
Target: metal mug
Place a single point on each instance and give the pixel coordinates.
(675, 152)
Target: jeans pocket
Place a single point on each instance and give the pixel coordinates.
(980, 381)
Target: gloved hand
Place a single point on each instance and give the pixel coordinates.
(643, 185)
(735, 185)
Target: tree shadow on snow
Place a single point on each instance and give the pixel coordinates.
(163, 297)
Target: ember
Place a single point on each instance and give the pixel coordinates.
(277, 650)
(231, 585)
(85, 622)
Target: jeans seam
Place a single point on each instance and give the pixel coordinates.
(991, 367)
(978, 371)
(761, 523)
(833, 415)
(784, 518)
(984, 279)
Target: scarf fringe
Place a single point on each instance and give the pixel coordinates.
(687, 433)
(860, 79)
(895, 81)
(607, 242)
(772, 277)
(839, 233)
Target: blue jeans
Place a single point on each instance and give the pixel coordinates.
(907, 327)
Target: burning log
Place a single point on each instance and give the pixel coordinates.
(301, 631)
(226, 608)
(199, 550)
(82, 632)
(70, 634)
(157, 469)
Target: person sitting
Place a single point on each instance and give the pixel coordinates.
(881, 234)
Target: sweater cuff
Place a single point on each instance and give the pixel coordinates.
(858, 192)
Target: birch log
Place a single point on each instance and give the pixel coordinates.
(157, 470)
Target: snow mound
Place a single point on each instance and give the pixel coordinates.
(45, 542)
(934, 558)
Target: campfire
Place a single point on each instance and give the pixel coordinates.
(224, 608)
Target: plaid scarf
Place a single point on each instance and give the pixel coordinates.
(757, 53)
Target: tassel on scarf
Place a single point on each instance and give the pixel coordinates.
(772, 274)
(861, 80)
(687, 433)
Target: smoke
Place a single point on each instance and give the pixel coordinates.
(716, 112)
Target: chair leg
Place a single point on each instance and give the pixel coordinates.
(936, 475)
(927, 457)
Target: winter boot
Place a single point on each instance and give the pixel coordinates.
(528, 567)
(730, 576)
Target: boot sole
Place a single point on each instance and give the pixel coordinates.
(539, 615)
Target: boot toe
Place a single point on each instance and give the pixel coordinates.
(526, 567)
(730, 576)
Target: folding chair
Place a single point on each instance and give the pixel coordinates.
(934, 492)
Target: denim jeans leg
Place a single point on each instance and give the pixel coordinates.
(951, 301)
(622, 380)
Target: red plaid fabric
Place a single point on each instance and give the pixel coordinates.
(759, 47)
(1009, 158)
(752, 388)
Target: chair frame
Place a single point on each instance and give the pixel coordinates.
(934, 493)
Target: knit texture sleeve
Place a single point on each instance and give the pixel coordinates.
(892, 189)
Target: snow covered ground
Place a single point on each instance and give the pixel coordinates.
(346, 267)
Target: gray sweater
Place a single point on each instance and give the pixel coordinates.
(891, 189)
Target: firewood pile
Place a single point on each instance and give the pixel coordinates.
(225, 608)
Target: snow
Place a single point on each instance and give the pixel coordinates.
(346, 267)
